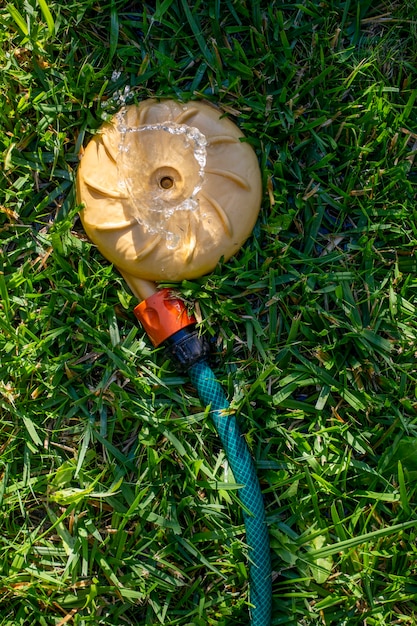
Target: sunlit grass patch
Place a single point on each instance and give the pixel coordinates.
(117, 506)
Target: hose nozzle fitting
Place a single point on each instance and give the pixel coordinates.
(163, 315)
(167, 321)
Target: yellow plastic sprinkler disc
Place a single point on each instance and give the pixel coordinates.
(168, 190)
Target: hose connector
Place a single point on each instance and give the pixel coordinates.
(163, 315)
(186, 347)
(167, 321)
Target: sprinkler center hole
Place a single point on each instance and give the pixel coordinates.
(166, 182)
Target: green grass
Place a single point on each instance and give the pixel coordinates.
(115, 505)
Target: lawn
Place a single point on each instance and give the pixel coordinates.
(116, 503)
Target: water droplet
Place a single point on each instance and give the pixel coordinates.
(172, 241)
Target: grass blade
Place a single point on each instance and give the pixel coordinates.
(353, 542)
(47, 15)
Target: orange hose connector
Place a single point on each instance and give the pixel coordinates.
(162, 315)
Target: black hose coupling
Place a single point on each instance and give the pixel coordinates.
(186, 347)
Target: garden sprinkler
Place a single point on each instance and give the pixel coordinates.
(168, 189)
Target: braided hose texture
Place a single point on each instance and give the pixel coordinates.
(211, 394)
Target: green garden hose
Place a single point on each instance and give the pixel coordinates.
(211, 394)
